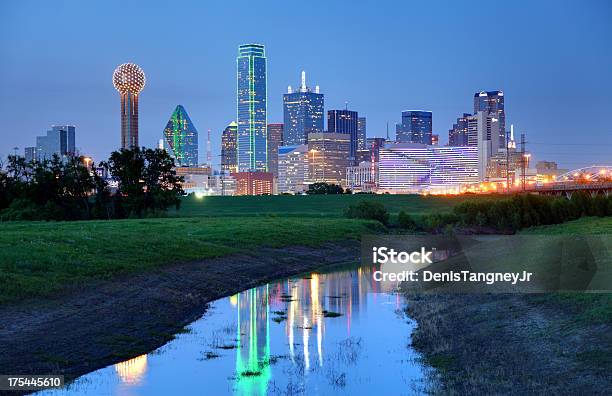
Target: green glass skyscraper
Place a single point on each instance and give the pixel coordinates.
(181, 138)
(251, 98)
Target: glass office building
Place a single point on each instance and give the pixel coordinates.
(229, 160)
(303, 113)
(252, 150)
(416, 127)
(181, 138)
(59, 141)
(345, 121)
(492, 103)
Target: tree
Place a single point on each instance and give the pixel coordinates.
(146, 180)
(324, 188)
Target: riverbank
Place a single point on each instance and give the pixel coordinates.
(559, 343)
(40, 259)
(109, 321)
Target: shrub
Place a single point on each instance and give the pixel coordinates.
(368, 210)
(405, 221)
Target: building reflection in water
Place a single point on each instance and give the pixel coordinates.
(133, 370)
(300, 306)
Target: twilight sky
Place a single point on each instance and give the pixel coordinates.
(553, 60)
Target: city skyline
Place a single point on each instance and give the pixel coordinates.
(539, 90)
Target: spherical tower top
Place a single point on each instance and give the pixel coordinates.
(129, 77)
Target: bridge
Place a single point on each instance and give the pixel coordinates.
(595, 180)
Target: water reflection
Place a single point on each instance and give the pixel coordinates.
(325, 333)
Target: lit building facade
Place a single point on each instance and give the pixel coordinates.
(458, 134)
(416, 127)
(252, 150)
(344, 121)
(413, 167)
(229, 149)
(293, 169)
(181, 138)
(303, 113)
(29, 154)
(275, 140)
(374, 145)
(492, 103)
(129, 80)
(328, 157)
(59, 140)
(361, 133)
(254, 183)
(362, 177)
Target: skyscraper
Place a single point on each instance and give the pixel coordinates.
(361, 133)
(59, 141)
(275, 139)
(344, 121)
(416, 127)
(129, 80)
(492, 103)
(229, 159)
(181, 138)
(303, 113)
(30, 154)
(252, 108)
(458, 134)
(292, 169)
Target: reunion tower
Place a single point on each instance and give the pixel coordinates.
(129, 80)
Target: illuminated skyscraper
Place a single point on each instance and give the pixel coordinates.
(129, 80)
(361, 133)
(492, 103)
(344, 121)
(458, 135)
(229, 159)
(416, 127)
(181, 138)
(252, 108)
(275, 139)
(303, 113)
(328, 157)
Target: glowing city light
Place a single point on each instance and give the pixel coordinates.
(129, 77)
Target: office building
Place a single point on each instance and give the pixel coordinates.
(414, 167)
(181, 138)
(229, 150)
(480, 126)
(275, 140)
(29, 154)
(59, 140)
(492, 103)
(303, 113)
(344, 121)
(416, 127)
(361, 133)
(328, 157)
(252, 149)
(458, 134)
(254, 183)
(293, 169)
(129, 80)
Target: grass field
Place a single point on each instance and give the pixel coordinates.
(311, 205)
(38, 258)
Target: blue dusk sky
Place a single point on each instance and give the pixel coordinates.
(553, 60)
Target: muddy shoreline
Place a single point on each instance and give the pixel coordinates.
(106, 322)
(509, 344)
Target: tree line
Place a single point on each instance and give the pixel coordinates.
(143, 182)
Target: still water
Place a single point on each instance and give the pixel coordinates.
(326, 333)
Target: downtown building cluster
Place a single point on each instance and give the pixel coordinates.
(261, 157)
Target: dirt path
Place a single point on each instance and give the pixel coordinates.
(109, 321)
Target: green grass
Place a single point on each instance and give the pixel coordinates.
(582, 226)
(312, 205)
(39, 258)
